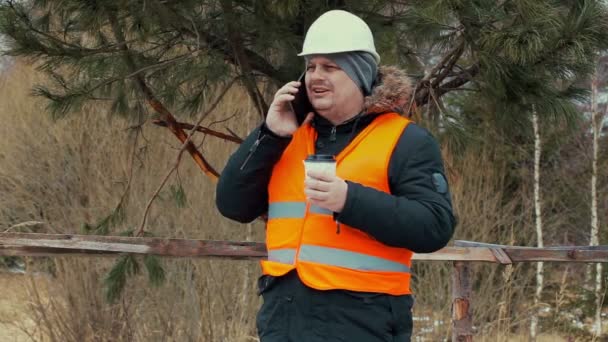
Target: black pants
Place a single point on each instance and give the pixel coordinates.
(293, 312)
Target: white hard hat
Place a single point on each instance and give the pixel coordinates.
(338, 31)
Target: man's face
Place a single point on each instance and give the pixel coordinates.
(330, 90)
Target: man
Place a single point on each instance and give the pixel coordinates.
(340, 246)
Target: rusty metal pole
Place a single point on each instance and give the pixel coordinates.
(462, 323)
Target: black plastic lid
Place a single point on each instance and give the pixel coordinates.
(321, 158)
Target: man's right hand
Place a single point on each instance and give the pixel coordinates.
(281, 119)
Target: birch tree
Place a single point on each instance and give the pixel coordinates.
(596, 123)
(538, 223)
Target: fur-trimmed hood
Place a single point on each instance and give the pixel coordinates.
(391, 93)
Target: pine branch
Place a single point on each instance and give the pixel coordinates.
(142, 70)
(202, 129)
(449, 64)
(158, 106)
(236, 136)
(105, 224)
(187, 142)
(70, 48)
(422, 95)
(446, 62)
(116, 279)
(156, 273)
(142, 225)
(178, 194)
(430, 82)
(256, 61)
(223, 46)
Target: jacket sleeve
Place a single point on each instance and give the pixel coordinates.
(417, 214)
(242, 189)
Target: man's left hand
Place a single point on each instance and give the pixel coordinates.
(325, 190)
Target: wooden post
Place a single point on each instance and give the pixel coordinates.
(462, 323)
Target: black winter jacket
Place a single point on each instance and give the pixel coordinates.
(417, 214)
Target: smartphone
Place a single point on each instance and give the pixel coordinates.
(301, 104)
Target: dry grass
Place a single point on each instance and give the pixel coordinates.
(15, 322)
(75, 170)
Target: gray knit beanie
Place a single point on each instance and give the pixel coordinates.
(360, 66)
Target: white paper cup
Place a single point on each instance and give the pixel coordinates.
(320, 162)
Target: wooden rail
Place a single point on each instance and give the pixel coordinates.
(463, 252)
(70, 244)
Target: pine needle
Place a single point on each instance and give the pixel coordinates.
(116, 279)
(156, 273)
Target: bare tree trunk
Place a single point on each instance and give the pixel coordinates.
(504, 317)
(236, 41)
(539, 224)
(596, 123)
(462, 322)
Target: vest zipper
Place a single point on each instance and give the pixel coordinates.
(332, 135)
(337, 227)
(251, 150)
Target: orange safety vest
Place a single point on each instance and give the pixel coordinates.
(304, 237)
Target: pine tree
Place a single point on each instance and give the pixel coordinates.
(173, 54)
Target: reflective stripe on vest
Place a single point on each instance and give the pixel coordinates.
(293, 210)
(337, 257)
(284, 256)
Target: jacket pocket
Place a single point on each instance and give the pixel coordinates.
(271, 320)
(401, 308)
(265, 283)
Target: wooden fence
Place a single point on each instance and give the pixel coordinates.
(462, 254)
